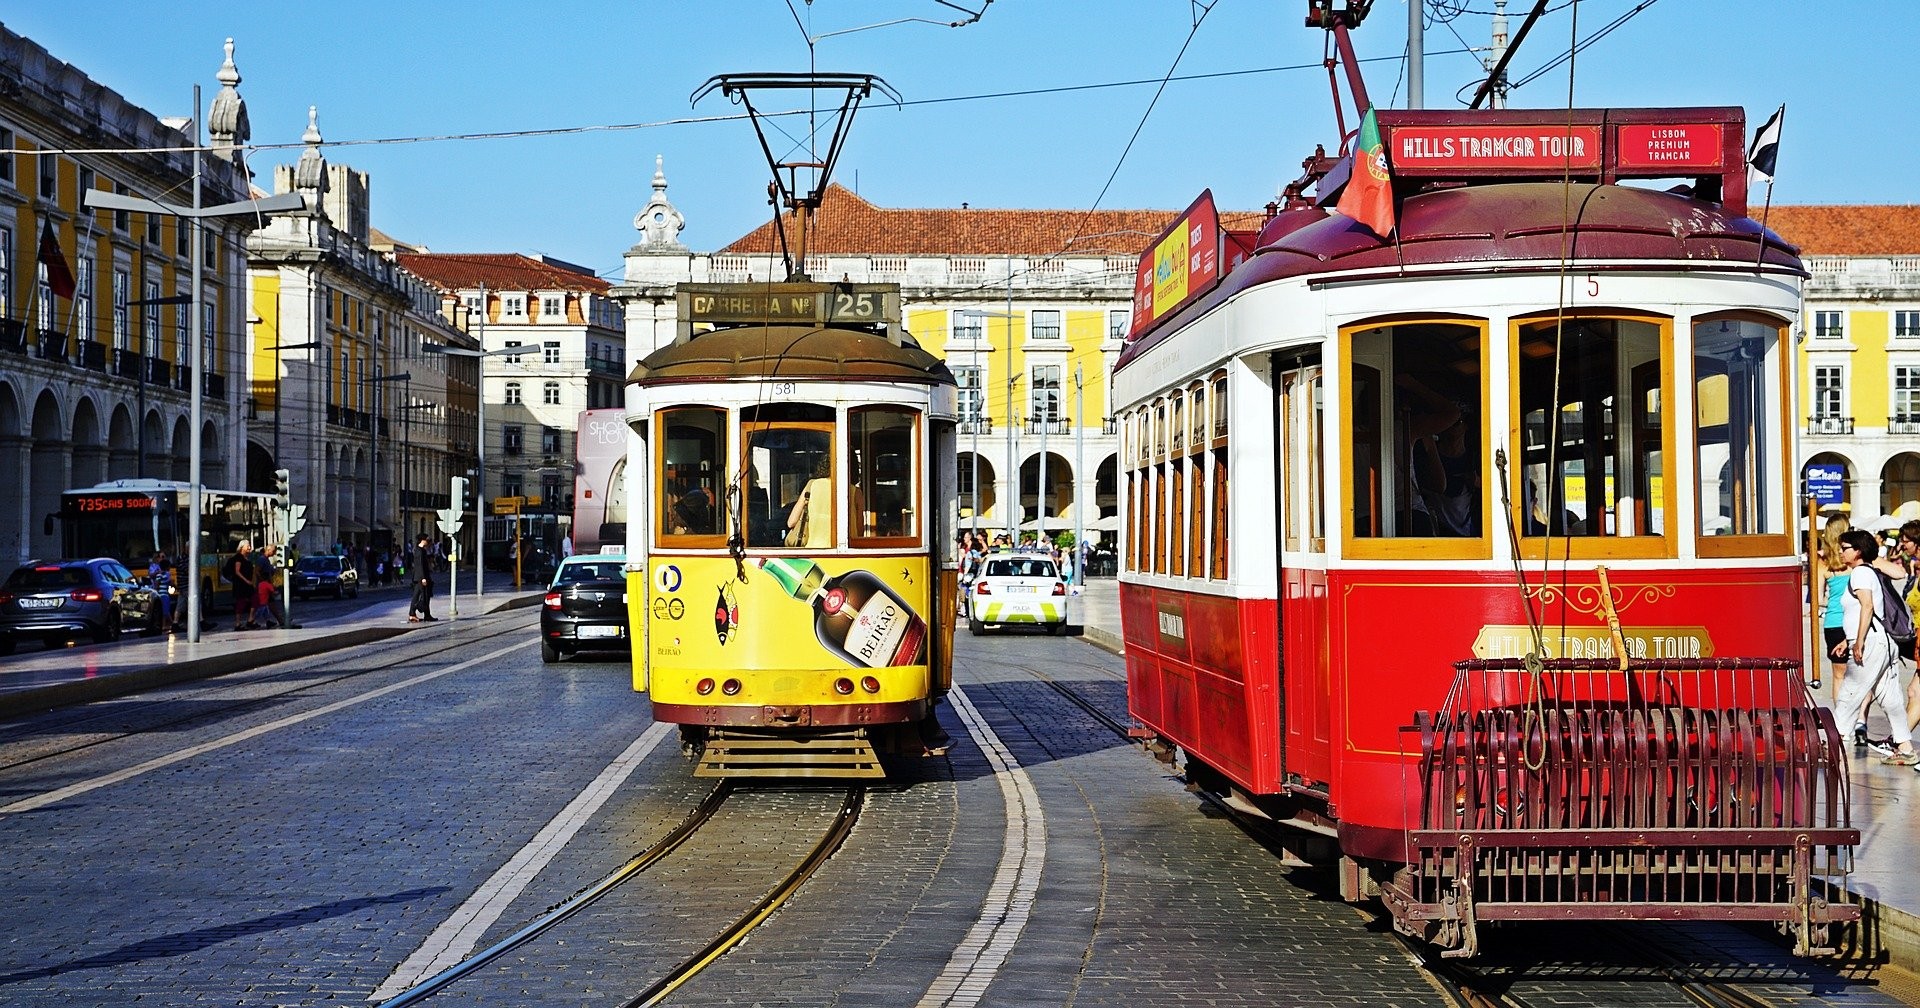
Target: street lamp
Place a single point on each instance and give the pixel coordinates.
(97, 199)
(373, 429)
(145, 372)
(480, 442)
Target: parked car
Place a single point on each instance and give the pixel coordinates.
(585, 607)
(62, 600)
(324, 573)
(1017, 589)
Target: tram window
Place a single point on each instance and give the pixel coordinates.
(1177, 513)
(1156, 518)
(882, 468)
(694, 440)
(1220, 515)
(1198, 438)
(1592, 462)
(1197, 516)
(1178, 432)
(1417, 459)
(1736, 389)
(781, 460)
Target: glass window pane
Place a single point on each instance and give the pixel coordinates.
(691, 453)
(1417, 462)
(779, 498)
(1734, 365)
(882, 470)
(1592, 460)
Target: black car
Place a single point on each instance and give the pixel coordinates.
(62, 600)
(324, 573)
(586, 607)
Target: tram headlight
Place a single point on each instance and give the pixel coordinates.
(704, 687)
(731, 687)
(870, 684)
(843, 686)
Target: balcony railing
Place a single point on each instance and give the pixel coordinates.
(600, 365)
(1037, 426)
(93, 355)
(13, 336)
(1829, 425)
(1904, 423)
(52, 345)
(977, 425)
(1109, 426)
(126, 364)
(159, 372)
(214, 386)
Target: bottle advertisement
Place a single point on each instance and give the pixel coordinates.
(794, 612)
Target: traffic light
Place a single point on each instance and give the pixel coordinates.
(283, 486)
(459, 495)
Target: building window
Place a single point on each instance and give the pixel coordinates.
(206, 334)
(183, 238)
(550, 393)
(1906, 401)
(149, 317)
(122, 219)
(969, 325)
(510, 439)
(181, 317)
(1906, 323)
(1046, 324)
(1829, 392)
(472, 302)
(513, 305)
(6, 264)
(972, 399)
(1117, 325)
(153, 229)
(553, 306)
(550, 352)
(83, 297)
(510, 485)
(1046, 393)
(122, 293)
(549, 440)
(7, 144)
(49, 177)
(513, 393)
(1829, 325)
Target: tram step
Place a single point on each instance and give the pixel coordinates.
(843, 755)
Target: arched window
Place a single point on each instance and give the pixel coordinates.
(550, 394)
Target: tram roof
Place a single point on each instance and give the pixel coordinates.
(790, 352)
(1474, 227)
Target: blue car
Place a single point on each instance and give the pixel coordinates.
(57, 601)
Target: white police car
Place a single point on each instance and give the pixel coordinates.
(1017, 589)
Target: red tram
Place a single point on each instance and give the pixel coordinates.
(1467, 552)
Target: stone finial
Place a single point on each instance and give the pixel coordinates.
(310, 173)
(659, 223)
(227, 126)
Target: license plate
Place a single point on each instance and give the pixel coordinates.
(1020, 589)
(600, 631)
(41, 603)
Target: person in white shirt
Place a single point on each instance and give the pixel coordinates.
(1873, 661)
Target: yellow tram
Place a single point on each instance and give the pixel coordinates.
(789, 584)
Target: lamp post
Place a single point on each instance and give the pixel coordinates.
(97, 199)
(1079, 476)
(140, 426)
(373, 428)
(480, 443)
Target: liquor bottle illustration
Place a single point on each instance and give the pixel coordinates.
(855, 615)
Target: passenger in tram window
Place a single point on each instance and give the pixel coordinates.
(759, 524)
(1446, 473)
(810, 522)
(692, 509)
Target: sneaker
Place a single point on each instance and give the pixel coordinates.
(1860, 735)
(1902, 759)
(1881, 747)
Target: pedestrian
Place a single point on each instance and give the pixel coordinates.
(420, 569)
(160, 576)
(272, 579)
(1873, 660)
(242, 576)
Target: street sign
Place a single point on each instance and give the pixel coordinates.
(1826, 484)
(450, 520)
(508, 505)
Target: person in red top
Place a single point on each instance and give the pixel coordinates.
(242, 575)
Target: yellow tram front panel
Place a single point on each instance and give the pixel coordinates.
(788, 640)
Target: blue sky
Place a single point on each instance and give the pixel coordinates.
(398, 69)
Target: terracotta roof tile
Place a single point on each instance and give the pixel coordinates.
(1847, 230)
(849, 225)
(452, 271)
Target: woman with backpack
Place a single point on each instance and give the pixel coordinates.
(1873, 659)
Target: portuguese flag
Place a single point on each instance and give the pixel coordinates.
(1368, 197)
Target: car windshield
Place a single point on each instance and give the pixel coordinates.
(32, 579)
(1020, 567)
(601, 570)
(318, 564)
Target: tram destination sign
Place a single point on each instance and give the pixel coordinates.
(1588, 143)
(789, 303)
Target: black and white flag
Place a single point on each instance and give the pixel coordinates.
(1766, 145)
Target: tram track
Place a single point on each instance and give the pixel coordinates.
(228, 684)
(688, 967)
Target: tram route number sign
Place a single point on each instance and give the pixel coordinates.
(816, 303)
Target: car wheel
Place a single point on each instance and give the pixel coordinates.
(976, 627)
(355, 593)
(6, 645)
(549, 653)
(109, 628)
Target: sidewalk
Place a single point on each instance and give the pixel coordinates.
(1886, 808)
(35, 679)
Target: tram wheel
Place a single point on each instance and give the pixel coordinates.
(549, 653)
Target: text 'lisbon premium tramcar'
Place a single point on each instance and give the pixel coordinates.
(1465, 548)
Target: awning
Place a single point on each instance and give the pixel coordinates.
(1110, 523)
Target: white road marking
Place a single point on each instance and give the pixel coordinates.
(93, 783)
(1009, 903)
(460, 933)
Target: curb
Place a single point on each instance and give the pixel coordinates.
(33, 701)
(1104, 639)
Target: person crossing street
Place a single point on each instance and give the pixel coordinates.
(420, 569)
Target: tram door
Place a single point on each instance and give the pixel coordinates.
(1305, 674)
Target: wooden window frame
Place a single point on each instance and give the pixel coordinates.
(1763, 544)
(914, 469)
(664, 539)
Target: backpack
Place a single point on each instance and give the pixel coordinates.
(1892, 610)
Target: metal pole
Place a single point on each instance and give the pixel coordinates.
(1049, 404)
(194, 249)
(480, 458)
(1013, 467)
(140, 427)
(373, 434)
(1416, 58)
(979, 402)
(1079, 479)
